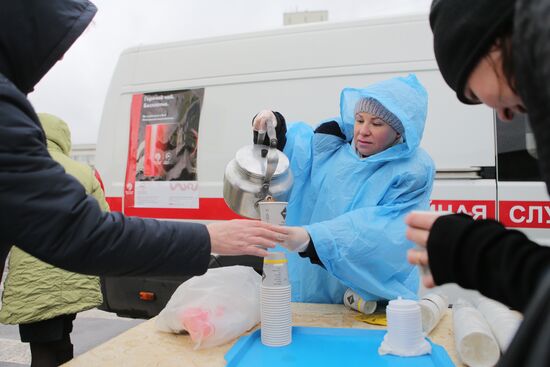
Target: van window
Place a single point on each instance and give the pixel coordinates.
(517, 156)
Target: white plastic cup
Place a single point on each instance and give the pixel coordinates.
(273, 212)
(275, 297)
(404, 336)
(356, 302)
(275, 270)
(475, 343)
(430, 315)
(433, 307)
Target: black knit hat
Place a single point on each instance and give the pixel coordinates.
(464, 31)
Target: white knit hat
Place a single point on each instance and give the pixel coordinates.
(372, 106)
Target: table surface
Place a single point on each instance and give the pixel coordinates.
(143, 345)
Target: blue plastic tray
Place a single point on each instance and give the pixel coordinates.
(327, 347)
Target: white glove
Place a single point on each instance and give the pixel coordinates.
(261, 120)
(297, 239)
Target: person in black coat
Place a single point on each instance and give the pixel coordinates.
(495, 52)
(46, 212)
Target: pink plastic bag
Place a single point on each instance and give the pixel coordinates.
(214, 308)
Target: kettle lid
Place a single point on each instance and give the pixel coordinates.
(249, 158)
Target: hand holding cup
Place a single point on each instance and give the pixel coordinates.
(244, 237)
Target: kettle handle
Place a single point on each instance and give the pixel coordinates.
(272, 160)
(272, 156)
(271, 167)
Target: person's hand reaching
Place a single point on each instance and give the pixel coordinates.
(244, 237)
(420, 224)
(297, 239)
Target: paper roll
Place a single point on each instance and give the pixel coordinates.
(433, 307)
(503, 322)
(475, 344)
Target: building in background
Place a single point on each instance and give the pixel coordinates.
(300, 17)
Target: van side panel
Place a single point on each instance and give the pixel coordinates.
(297, 71)
(300, 71)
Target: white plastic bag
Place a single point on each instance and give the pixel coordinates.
(214, 308)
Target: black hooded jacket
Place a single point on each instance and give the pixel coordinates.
(504, 264)
(45, 211)
(531, 48)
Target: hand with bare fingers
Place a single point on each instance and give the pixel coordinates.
(419, 226)
(244, 237)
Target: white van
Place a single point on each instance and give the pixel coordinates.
(176, 113)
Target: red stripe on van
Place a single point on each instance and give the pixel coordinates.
(518, 214)
(115, 203)
(525, 214)
(479, 209)
(209, 209)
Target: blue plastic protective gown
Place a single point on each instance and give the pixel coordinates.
(353, 207)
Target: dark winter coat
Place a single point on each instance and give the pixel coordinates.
(531, 49)
(504, 264)
(45, 211)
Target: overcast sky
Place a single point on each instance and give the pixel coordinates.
(75, 88)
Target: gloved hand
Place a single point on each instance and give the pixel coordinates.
(272, 123)
(261, 120)
(297, 239)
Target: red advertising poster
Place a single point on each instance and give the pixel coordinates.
(161, 171)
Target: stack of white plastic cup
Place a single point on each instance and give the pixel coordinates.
(276, 314)
(433, 307)
(404, 336)
(475, 343)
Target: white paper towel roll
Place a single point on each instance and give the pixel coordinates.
(503, 322)
(433, 307)
(475, 343)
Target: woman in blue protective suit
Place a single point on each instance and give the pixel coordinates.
(355, 179)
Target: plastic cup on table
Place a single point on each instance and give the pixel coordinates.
(275, 297)
(433, 307)
(356, 302)
(404, 336)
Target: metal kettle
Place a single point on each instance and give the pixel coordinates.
(257, 173)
